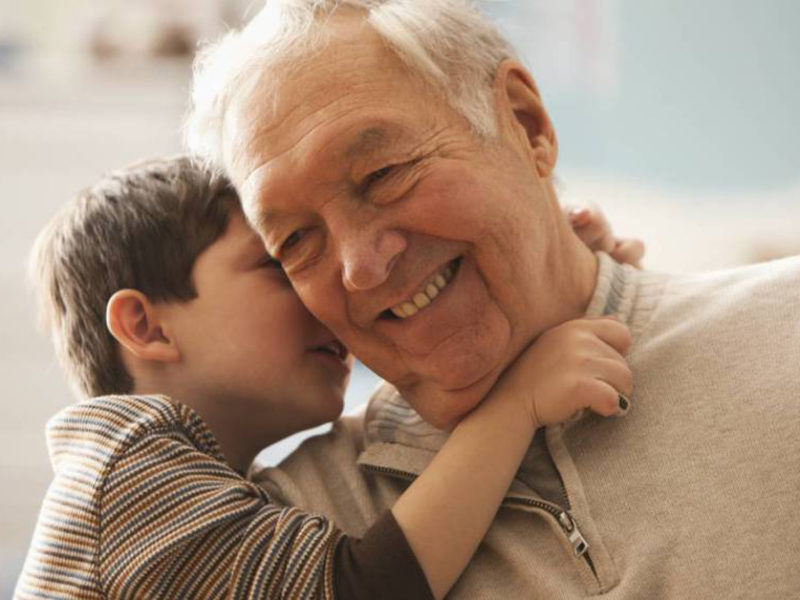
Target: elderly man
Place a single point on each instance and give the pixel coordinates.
(397, 159)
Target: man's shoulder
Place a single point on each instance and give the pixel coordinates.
(758, 286)
(749, 303)
(323, 476)
(345, 439)
(316, 459)
(784, 269)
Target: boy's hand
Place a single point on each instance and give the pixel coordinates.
(594, 230)
(573, 366)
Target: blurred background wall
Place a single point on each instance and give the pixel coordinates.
(679, 118)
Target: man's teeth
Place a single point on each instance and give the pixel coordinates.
(426, 295)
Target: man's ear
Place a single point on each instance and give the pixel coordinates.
(517, 98)
(134, 323)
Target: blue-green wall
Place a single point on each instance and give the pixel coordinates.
(707, 95)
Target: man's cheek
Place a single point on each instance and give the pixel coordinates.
(321, 304)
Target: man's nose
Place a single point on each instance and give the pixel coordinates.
(367, 260)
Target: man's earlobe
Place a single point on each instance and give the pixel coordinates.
(134, 323)
(519, 96)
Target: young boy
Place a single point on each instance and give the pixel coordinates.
(165, 308)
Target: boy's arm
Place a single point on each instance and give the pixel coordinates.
(446, 512)
(175, 522)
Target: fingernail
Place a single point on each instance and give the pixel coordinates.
(624, 404)
(578, 214)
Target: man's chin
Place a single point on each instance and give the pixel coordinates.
(444, 408)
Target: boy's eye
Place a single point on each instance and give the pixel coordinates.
(270, 263)
(275, 266)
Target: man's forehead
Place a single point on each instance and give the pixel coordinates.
(353, 72)
(338, 155)
(360, 123)
(291, 90)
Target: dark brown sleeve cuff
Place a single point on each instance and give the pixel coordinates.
(379, 565)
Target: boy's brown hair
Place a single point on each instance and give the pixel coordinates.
(142, 228)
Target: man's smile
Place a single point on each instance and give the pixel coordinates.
(454, 317)
(426, 294)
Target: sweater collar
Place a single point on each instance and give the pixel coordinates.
(398, 439)
(615, 290)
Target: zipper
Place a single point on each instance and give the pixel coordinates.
(389, 471)
(564, 519)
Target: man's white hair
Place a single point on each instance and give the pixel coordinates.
(449, 43)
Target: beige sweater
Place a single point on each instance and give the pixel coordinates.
(694, 494)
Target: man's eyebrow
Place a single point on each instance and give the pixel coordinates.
(368, 141)
(264, 218)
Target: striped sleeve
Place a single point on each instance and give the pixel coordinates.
(177, 523)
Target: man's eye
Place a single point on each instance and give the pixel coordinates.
(376, 176)
(292, 240)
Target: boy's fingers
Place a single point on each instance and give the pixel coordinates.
(617, 374)
(597, 237)
(592, 227)
(578, 216)
(605, 400)
(611, 331)
(628, 251)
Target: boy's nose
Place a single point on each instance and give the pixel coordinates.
(367, 263)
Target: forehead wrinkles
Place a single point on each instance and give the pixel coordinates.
(316, 133)
(265, 133)
(311, 152)
(352, 65)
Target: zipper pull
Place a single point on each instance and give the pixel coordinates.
(570, 527)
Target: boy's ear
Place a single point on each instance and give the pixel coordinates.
(516, 92)
(134, 323)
